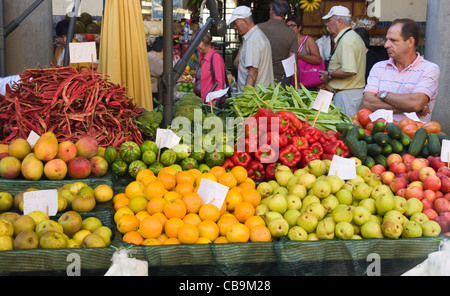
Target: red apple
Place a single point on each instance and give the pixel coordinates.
(401, 192)
(387, 177)
(436, 162)
(427, 204)
(445, 170)
(414, 175)
(425, 172)
(432, 183)
(378, 169)
(447, 215)
(445, 184)
(439, 194)
(414, 192)
(441, 205)
(402, 175)
(408, 166)
(416, 183)
(408, 158)
(429, 194)
(397, 167)
(79, 168)
(447, 196)
(418, 163)
(393, 157)
(443, 222)
(431, 214)
(398, 183)
(99, 166)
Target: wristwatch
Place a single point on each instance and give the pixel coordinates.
(383, 95)
(329, 76)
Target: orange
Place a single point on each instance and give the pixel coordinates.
(142, 214)
(195, 172)
(144, 173)
(171, 195)
(155, 188)
(232, 198)
(207, 175)
(162, 238)
(254, 221)
(128, 223)
(184, 188)
(238, 233)
(167, 179)
(243, 211)
(221, 240)
(133, 237)
(203, 240)
(225, 222)
(134, 188)
(217, 171)
(156, 205)
(260, 233)
(151, 242)
(193, 202)
(246, 185)
(209, 212)
(121, 201)
(185, 177)
(240, 173)
(228, 179)
(175, 208)
(192, 218)
(148, 179)
(150, 227)
(118, 196)
(171, 241)
(121, 212)
(161, 217)
(171, 227)
(188, 234)
(208, 229)
(168, 169)
(252, 196)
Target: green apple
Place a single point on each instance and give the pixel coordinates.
(298, 190)
(335, 182)
(371, 230)
(400, 204)
(264, 189)
(291, 217)
(6, 201)
(411, 229)
(86, 191)
(361, 190)
(344, 196)
(384, 203)
(392, 228)
(297, 233)
(91, 223)
(307, 180)
(330, 203)
(419, 217)
(430, 228)
(6, 227)
(48, 225)
(278, 227)
(368, 203)
(380, 189)
(395, 215)
(278, 203)
(342, 213)
(344, 230)
(27, 239)
(24, 222)
(6, 242)
(93, 240)
(293, 202)
(307, 221)
(105, 232)
(364, 172)
(71, 222)
(52, 239)
(361, 215)
(325, 228)
(317, 167)
(317, 209)
(413, 205)
(321, 188)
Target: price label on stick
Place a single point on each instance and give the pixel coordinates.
(445, 151)
(323, 101)
(82, 52)
(166, 138)
(289, 65)
(215, 94)
(344, 168)
(45, 201)
(212, 192)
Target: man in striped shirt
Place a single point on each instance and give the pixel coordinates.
(406, 82)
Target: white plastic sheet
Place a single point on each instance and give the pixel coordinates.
(124, 265)
(437, 264)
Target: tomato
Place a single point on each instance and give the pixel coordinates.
(356, 121)
(406, 121)
(432, 127)
(363, 116)
(410, 129)
(369, 126)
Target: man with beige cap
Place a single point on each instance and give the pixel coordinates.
(255, 56)
(347, 66)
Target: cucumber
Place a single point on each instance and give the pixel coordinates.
(381, 138)
(397, 147)
(381, 159)
(425, 152)
(387, 149)
(393, 130)
(341, 126)
(442, 136)
(405, 140)
(373, 149)
(369, 162)
(356, 132)
(379, 126)
(369, 139)
(355, 147)
(418, 141)
(434, 145)
(363, 153)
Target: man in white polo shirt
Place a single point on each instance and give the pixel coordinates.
(255, 57)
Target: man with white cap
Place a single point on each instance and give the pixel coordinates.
(255, 57)
(347, 66)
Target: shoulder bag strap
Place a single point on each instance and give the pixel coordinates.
(336, 45)
(303, 42)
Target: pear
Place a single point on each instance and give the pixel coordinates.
(395, 215)
(278, 227)
(261, 209)
(105, 233)
(364, 172)
(321, 188)
(392, 228)
(293, 202)
(291, 217)
(361, 215)
(361, 190)
(430, 228)
(24, 222)
(27, 239)
(307, 180)
(317, 209)
(298, 190)
(296, 233)
(342, 213)
(278, 203)
(411, 229)
(335, 182)
(371, 229)
(326, 228)
(308, 222)
(384, 203)
(91, 223)
(369, 204)
(317, 167)
(265, 189)
(419, 217)
(344, 196)
(271, 215)
(48, 225)
(330, 203)
(344, 230)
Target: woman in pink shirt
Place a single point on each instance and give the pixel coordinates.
(204, 75)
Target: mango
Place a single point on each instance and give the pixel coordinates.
(32, 168)
(10, 167)
(87, 147)
(19, 148)
(46, 147)
(55, 169)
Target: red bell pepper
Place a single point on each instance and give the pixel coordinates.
(299, 142)
(314, 151)
(328, 136)
(290, 155)
(283, 122)
(326, 156)
(294, 121)
(266, 154)
(263, 116)
(311, 133)
(241, 158)
(228, 164)
(270, 169)
(272, 138)
(247, 144)
(256, 171)
(250, 126)
(336, 148)
(289, 134)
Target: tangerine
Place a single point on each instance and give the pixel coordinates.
(138, 203)
(192, 218)
(209, 212)
(243, 211)
(143, 174)
(228, 179)
(142, 214)
(171, 227)
(168, 169)
(121, 212)
(252, 196)
(151, 242)
(150, 227)
(232, 198)
(240, 173)
(246, 185)
(203, 240)
(133, 237)
(193, 202)
(155, 188)
(217, 171)
(238, 233)
(156, 205)
(147, 180)
(118, 196)
(103, 193)
(171, 241)
(184, 188)
(207, 175)
(225, 222)
(185, 177)
(128, 223)
(254, 221)
(208, 229)
(195, 172)
(188, 234)
(260, 233)
(162, 238)
(167, 179)
(175, 208)
(121, 201)
(221, 240)
(161, 217)
(134, 188)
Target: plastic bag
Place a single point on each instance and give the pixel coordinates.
(124, 265)
(324, 44)
(437, 264)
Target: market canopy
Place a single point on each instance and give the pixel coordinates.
(123, 50)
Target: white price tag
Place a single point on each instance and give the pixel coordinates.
(289, 65)
(166, 138)
(82, 52)
(45, 201)
(387, 115)
(212, 192)
(413, 116)
(215, 94)
(445, 151)
(344, 168)
(323, 101)
(32, 138)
